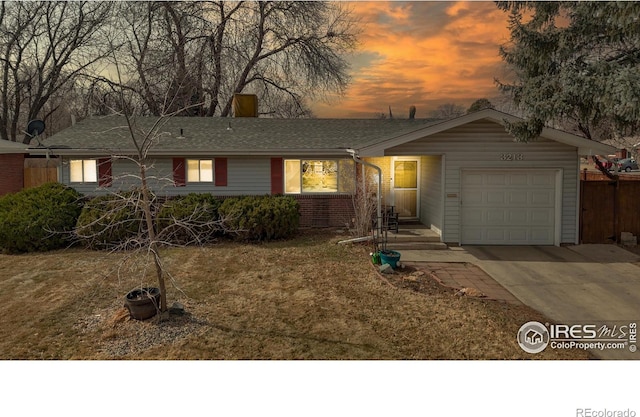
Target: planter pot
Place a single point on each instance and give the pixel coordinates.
(390, 257)
(143, 303)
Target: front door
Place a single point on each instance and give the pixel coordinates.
(405, 186)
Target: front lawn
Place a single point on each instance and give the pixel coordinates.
(305, 298)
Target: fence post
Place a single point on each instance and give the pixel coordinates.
(581, 211)
(616, 211)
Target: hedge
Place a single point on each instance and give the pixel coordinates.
(39, 219)
(113, 221)
(189, 219)
(261, 217)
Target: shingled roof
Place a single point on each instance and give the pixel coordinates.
(12, 147)
(195, 136)
(231, 136)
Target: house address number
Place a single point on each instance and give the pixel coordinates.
(511, 157)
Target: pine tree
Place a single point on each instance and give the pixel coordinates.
(575, 64)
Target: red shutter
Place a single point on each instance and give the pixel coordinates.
(220, 172)
(277, 186)
(104, 172)
(179, 172)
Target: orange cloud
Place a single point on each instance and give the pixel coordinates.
(423, 54)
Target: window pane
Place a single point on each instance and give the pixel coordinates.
(319, 176)
(292, 176)
(347, 173)
(90, 170)
(406, 174)
(193, 170)
(206, 170)
(75, 170)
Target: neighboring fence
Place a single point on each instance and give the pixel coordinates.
(608, 207)
(38, 171)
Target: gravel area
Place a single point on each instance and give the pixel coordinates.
(122, 336)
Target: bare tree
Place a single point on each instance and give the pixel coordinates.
(137, 209)
(448, 111)
(364, 204)
(205, 52)
(43, 47)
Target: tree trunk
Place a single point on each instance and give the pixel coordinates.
(151, 233)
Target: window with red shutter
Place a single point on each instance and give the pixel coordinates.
(179, 172)
(221, 172)
(104, 172)
(277, 166)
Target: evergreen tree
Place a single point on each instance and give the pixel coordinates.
(576, 64)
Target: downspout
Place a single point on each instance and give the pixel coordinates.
(357, 160)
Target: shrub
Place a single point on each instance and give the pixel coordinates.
(113, 221)
(38, 219)
(261, 217)
(188, 219)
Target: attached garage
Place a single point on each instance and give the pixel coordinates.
(479, 186)
(509, 207)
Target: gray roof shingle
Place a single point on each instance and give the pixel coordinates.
(232, 135)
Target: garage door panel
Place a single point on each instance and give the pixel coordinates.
(495, 197)
(541, 235)
(543, 179)
(542, 198)
(472, 179)
(518, 179)
(508, 207)
(494, 179)
(517, 235)
(475, 216)
(517, 198)
(495, 217)
(475, 198)
(517, 217)
(543, 218)
(472, 235)
(497, 234)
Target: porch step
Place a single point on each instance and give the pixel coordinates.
(400, 246)
(402, 237)
(404, 221)
(419, 233)
(414, 237)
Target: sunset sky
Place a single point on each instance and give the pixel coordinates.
(422, 53)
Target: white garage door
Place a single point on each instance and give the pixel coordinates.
(508, 207)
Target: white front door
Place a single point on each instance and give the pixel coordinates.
(405, 190)
(508, 207)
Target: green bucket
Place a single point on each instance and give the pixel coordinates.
(390, 257)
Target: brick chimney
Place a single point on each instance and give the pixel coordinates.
(245, 105)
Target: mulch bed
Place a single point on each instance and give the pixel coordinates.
(416, 280)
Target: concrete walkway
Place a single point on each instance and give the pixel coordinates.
(580, 284)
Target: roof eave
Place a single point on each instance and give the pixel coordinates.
(585, 146)
(192, 153)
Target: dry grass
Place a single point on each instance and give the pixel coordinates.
(307, 298)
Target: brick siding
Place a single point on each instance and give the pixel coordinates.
(11, 173)
(325, 210)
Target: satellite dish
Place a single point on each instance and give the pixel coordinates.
(35, 127)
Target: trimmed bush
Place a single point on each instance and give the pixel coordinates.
(261, 217)
(38, 219)
(189, 219)
(113, 221)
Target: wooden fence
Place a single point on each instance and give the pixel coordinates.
(38, 171)
(608, 208)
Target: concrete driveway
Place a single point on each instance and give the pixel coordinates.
(570, 285)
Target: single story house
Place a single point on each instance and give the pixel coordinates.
(465, 178)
